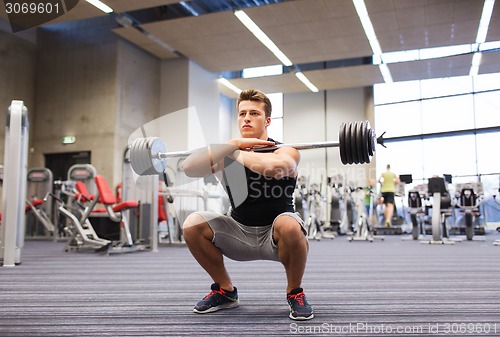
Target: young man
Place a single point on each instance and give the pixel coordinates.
(263, 224)
(388, 181)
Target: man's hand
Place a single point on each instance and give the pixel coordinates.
(250, 143)
(278, 164)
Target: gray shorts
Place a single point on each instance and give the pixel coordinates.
(245, 243)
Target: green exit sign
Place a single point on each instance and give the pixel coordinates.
(68, 139)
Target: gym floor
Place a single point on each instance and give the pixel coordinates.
(391, 287)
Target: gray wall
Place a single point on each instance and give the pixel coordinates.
(76, 91)
(204, 96)
(191, 111)
(187, 86)
(137, 96)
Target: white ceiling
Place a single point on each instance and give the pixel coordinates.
(312, 31)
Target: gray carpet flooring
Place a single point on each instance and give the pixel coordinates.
(385, 288)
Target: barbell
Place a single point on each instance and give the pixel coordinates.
(148, 156)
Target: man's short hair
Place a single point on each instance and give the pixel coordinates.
(258, 96)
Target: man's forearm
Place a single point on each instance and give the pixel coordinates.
(268, 164)
(202, 162)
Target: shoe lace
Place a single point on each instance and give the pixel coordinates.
(299, 298)
(213, 292)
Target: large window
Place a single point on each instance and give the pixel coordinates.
(447, 114)
(486, 107)
(441, 126)
(399, 119)
(275, 129)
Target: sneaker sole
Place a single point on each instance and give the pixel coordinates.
(301, 318)
(217, 308)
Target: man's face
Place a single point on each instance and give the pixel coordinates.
(252, 120)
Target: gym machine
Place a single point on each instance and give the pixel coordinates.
(441, 208)
(84, 173)
(311, 204)
(469, 199)
(363, 227)
(314, 205)
(14, 184)
(362, 230)
(299, 197)
(39, 223)
(335, 184)
(79, 231)
(417, 213)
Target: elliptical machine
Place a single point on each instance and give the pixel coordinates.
(416, 213)
(441, 209)
(468, 196)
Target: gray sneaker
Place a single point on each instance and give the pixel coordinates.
(300, 310)
(217, 299)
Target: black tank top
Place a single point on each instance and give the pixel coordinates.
(265, 197)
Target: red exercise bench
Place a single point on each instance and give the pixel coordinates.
(115, 211)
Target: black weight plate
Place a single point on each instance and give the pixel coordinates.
(342, 143)
(372, 142)
(359, 142)
(369, 136)
(347, 146)
(352, 141)
(366, 150)
(347, 143)
(364, 129)
(361, 145)
(354, 137)
(369, 142)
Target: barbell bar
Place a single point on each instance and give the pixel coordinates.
(148, 156)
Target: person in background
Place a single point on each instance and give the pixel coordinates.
(388, 181)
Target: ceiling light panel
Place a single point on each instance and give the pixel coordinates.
(218, 41)
(410, 25)
(262, 37)
(313, 30)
